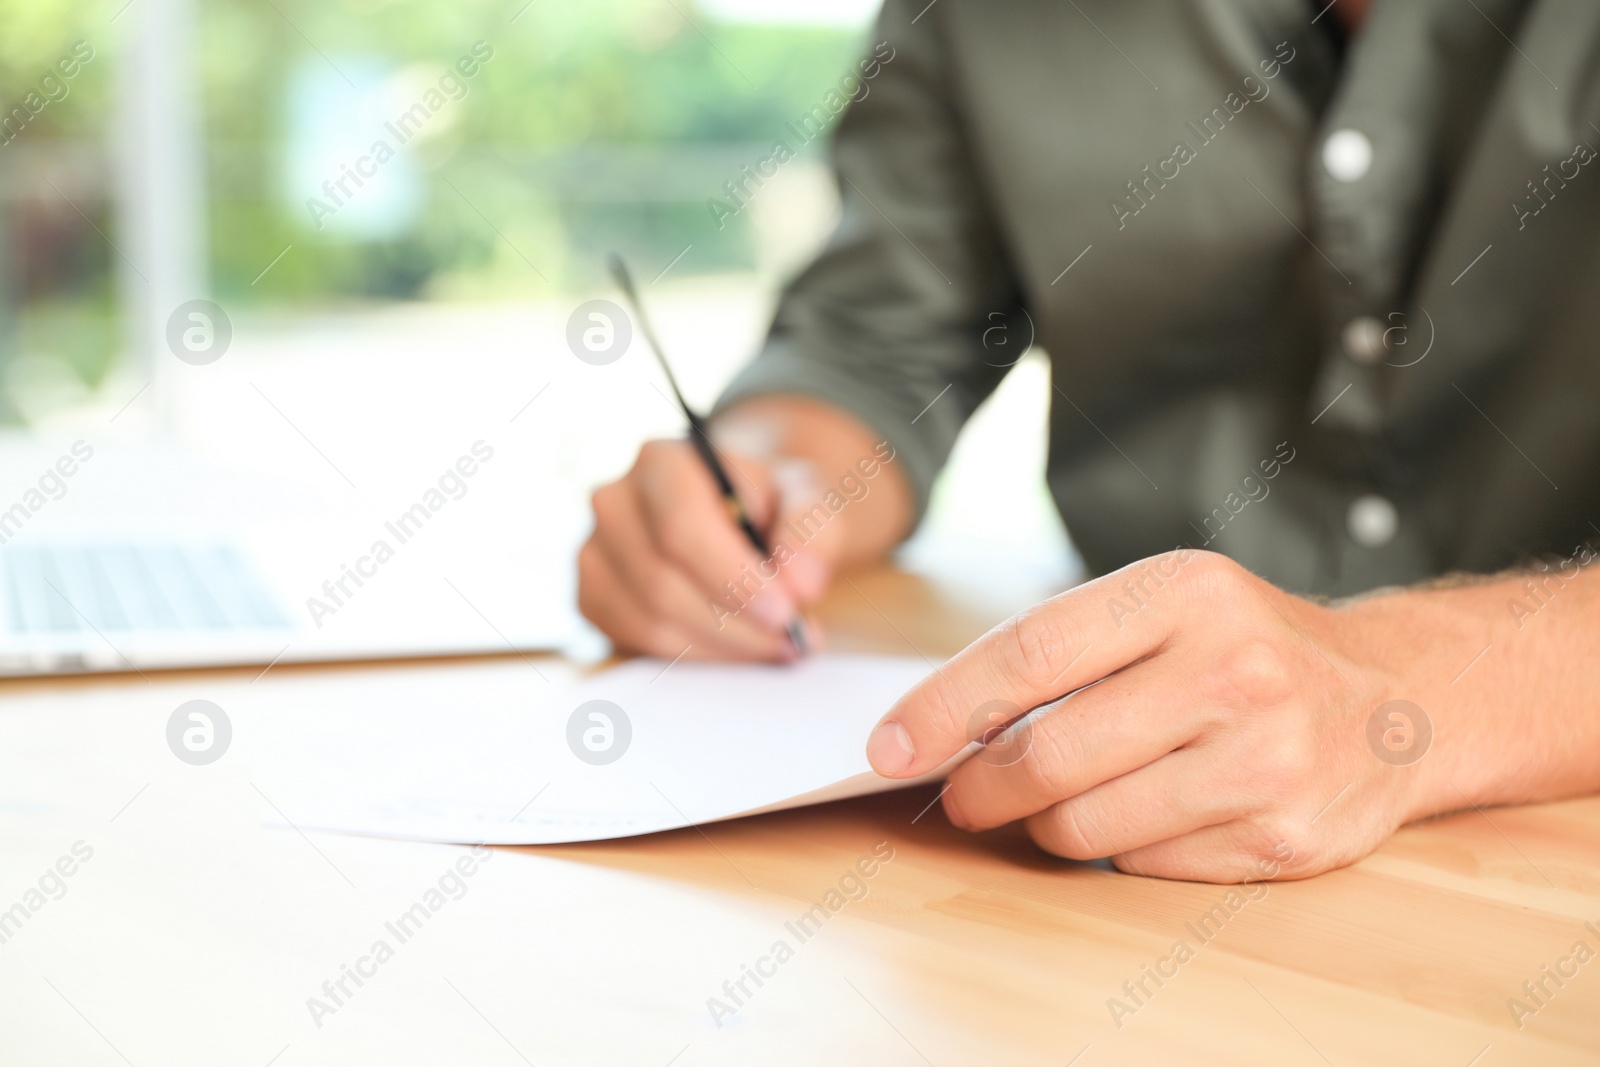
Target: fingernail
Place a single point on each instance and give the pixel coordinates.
(889, 749)
(772, 609)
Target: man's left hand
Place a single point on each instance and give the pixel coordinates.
(1223, 735)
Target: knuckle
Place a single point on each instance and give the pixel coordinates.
(1171, 565)
(1213, 574)
(947, 716)
(1050, 755)
(1297, 753)
(1040, 645)
(1282, 766)
(1254, 672)
(1061, 831)
(654, 451)
(1279, 843)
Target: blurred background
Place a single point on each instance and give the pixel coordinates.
(388, 306)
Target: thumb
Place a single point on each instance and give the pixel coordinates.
(811, 532)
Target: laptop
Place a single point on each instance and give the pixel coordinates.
(153, 560)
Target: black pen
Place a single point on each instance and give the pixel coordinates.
(697, 434)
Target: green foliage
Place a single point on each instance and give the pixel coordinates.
(36, 34)
(599, 125)
(545, 146)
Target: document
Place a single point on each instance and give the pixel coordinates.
(642, 747)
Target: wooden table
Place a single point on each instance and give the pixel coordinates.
(194, 934)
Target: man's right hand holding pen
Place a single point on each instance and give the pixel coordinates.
(667, 568)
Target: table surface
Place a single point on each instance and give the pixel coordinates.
(194, 933)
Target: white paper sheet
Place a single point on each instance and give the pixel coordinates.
(708, 742)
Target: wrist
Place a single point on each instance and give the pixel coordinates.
(1423, 708)
(854, 469)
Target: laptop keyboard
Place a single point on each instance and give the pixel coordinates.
(134, 587)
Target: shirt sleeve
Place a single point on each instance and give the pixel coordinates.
(889, 322)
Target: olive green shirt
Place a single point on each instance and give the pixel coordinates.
(1326, 307)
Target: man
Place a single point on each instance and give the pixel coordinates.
(1317, 291)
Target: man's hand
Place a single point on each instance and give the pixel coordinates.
(1223, 735)
(667, 567)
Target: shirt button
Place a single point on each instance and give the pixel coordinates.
(1347, 154)
(1362, 338)
(1372, 521)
